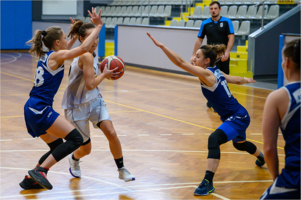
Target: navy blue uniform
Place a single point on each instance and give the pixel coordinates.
(38, 112)
(287, 184)
(234, 116)
(217, 33)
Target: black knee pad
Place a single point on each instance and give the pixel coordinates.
(245, 146)
(52, 146)
(216, 138)
(75, 137)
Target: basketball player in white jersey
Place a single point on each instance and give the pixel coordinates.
(83, 103)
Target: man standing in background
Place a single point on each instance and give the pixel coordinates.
(219, 30)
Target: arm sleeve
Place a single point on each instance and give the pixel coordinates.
(230, 27)
(202, 31)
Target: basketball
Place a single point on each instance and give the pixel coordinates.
(113, 62)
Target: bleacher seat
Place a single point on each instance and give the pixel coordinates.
(117, 11)
(198, 23)
(145, 11)
(224, 11)
(119, 20)
(181, 23)
(197, 12)
(122, 11)
(167, 11)
(160, 12)
(189, 23)
(242, 11)
(133, 20)
(251, 12)
(232, 12)
(273, 12)
(145, 21)
(108, 21)
(106, 11)
(153, 11)
(128, 11)
(113, 23)
(126, 20)
(138, 21)
(87, 20)
(228, 1)
(246, 2)
(205, 12)
(259, 12)
(235, 26)
(244, 29)
(173, 22)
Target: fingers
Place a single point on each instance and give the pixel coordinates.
(90, 13)
(114, 69)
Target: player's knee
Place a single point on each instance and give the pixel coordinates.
(216, 138)
(111, 135)
(75, 137)
(240, 146)
(53, 145)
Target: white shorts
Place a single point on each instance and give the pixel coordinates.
(94, 111)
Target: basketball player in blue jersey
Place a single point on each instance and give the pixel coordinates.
(234, 116)
(83, 103)
(282, 110)
(41, 120)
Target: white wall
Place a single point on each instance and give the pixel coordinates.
(135, 47)
(59, 7)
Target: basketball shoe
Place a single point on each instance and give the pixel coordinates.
(39, 174)
(125, 175)
(74, 167)
(204, 188)
(29, 183)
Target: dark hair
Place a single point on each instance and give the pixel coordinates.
(292, 51)
(79, 29)
(213, 52)
(47, 37)
(215, 2)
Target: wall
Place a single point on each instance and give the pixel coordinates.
(16, 24)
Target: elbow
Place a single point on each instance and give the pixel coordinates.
(84, 49)
(89, 87)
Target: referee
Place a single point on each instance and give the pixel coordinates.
(219, 30)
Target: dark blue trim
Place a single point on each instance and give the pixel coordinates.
(116, 40)
(102, 41)
(280, 72)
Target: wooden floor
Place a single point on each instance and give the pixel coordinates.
(163, 125)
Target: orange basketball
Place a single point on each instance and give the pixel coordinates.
(113, 62)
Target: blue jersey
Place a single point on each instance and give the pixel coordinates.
(46, 80)
(219, 95)
(290, 127)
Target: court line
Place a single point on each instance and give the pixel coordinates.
(135, 150)
(87, 177)
(163, 115)
(175, 119)
(6, 140)
(14, 58)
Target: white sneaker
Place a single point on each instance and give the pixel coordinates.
(125, 175)
(74, 167)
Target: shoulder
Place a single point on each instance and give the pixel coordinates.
(207, 21)
(86, 57)
(277, 97)
(225, 19)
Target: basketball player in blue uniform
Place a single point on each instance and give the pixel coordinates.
(41, 120)
(282, 110)
(84, 104)
(234, 116)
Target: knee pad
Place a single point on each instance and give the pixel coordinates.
(55, 144)
(75, 137)
(245, 146)
(216, 138)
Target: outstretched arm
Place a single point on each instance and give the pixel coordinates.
(204, 75)
(73, 39)
(237, 79)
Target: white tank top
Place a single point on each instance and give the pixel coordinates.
(76, 92)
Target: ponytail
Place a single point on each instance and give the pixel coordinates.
(79, 29)
(36, 44)
(75, 29)
(213, 52)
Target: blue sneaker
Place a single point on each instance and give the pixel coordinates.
(259, 163)
(204, 188)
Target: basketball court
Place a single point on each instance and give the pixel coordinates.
(163, 124)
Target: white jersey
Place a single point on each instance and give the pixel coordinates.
(76, 92)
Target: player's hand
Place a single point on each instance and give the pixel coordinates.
(95, 17)
(225, 57)
(192, 60)
(73, 21)
(250, 80)
(156, 42)
(110, 73)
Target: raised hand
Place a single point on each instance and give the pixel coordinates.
(110, 73)
(250, 80)
(156, 42)
(95, 18)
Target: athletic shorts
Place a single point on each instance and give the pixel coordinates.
(94, 111)
(39, 116)
(236, 125)
(286, 186)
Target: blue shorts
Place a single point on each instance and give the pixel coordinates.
(39, 116)
(286, 186)
(236, 125)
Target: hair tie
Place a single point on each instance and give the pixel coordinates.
(44, 33)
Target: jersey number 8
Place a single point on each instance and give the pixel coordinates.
(38, 78)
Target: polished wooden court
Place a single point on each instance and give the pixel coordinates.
(163, 125)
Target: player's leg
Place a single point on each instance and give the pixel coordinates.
(217, 138)
(60, 128)
(115, 146)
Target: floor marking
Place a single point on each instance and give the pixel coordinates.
(12, 116)
(14, 59)
(188, 134)
(87, 177)
(121, 135)
(125, 111)
(217, 195)
(137, 150)
(98, 136)
(165, 134)
(143, 135)
(29, 138)
(260, 134)
(6, 140)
